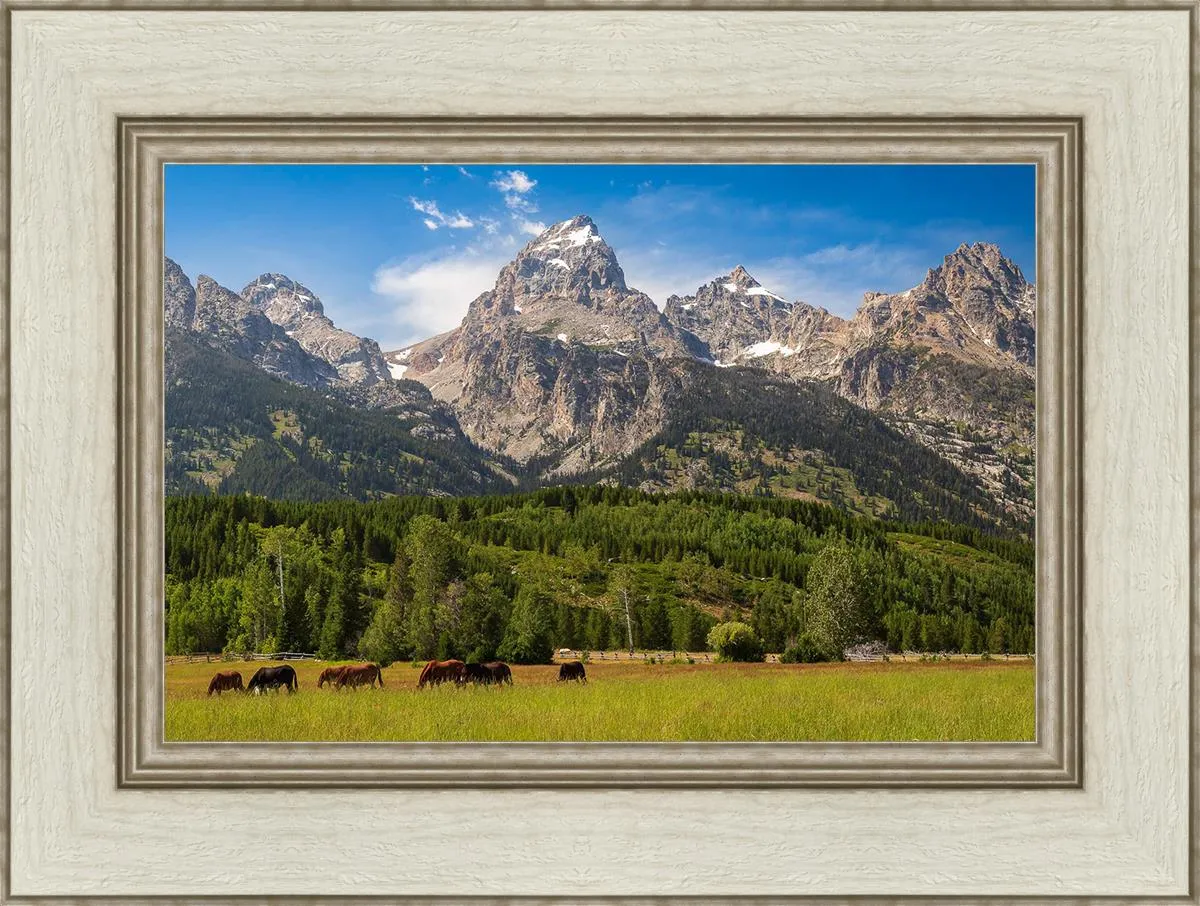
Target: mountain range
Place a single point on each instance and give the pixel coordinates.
(920, 406)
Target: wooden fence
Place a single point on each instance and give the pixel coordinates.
(219, 656)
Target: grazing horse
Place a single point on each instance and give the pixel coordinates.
(436, 672)
(500, 672)
(223, 682)
(360, 675)
(475, 673)
(272, 678)
(330, 675)
(572, 670)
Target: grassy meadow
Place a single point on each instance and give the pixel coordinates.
(957, 700)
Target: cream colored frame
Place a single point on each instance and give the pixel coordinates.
(1116, 824)
(1053, 146)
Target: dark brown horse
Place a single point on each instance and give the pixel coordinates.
(223, 682)
(572, 670)
(330, 675)
(272, 678)
(360, 675)
(437, 672)
(475, 673)
(500, 672)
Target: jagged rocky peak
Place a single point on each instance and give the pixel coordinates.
(179, 296)
(283, 300)
(738, 280)
(568, 261)
(296, 309)
(575, 245)
(980, 265)
(565, 284)
(219, 308)
(738, 286)
(733, 316)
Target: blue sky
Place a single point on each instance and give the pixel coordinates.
(398, 252)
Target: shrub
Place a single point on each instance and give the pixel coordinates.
(735, 642)
(809, 650)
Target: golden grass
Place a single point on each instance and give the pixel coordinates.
(627, 701)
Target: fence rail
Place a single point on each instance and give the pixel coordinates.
(218, 656)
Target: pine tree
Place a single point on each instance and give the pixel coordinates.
(527, 638)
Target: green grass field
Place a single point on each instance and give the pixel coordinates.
(943, 701)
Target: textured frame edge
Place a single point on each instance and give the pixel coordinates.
(144, 761)
(1193, 173)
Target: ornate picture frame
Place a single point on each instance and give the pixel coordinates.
(1098, 806)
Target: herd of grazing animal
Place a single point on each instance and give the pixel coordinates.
(437, 672)
(354, 675)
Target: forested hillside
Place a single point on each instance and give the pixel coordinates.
(756, 433)
(520, 575)
(233, 428)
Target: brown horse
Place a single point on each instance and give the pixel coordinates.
(475, 673)
(572, 670)
(267, 678)
(360, 675)
(500, 671)
(436, 672)
(223, 682)
(330, 675)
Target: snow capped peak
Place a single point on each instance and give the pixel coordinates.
(740, 283)
(574, 233)
(737, 280)
(741, 277)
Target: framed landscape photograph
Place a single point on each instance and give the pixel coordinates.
(600, 454)
(527, 472)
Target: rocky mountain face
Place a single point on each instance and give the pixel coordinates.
(231, 427)
(737, 321)
(560, 361)
(563, 370)
(299, 312)
(950, 361)
(275, 323)
(227, 321)
(975, 308)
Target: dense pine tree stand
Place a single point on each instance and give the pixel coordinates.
(520, 575)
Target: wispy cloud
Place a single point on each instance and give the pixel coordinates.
(435, 218)
(515, 186)
(531, 227)
(430, 296)
(837, 276)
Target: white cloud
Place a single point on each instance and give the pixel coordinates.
(431, 296)
(514, 181)
(465, 172)
(456, 221)
(515, 185)
(532, 227)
